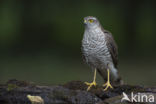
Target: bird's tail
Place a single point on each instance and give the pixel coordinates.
(114, 76)
(118, 81)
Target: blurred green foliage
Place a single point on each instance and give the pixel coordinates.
(40, 40)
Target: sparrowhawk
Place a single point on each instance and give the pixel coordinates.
(100, 52)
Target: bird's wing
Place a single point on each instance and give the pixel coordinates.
(112, 47)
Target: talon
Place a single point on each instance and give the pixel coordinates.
(107, 85)
(93, 83)
(87, 83)
(90, 85)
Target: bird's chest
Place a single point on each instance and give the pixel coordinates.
(94, 42)
(94, 48)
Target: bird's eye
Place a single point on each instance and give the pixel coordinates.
(90, 20)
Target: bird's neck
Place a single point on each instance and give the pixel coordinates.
(94, 30)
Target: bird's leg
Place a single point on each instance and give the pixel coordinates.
(93, 83)
(107, 84)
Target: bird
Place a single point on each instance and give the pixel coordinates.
(100, 52)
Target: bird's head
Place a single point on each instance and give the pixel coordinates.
(91, 22)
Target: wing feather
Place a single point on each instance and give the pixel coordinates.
(112, 47)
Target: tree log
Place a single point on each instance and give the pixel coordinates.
(74, 92)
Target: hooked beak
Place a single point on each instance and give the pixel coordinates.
(85, 21)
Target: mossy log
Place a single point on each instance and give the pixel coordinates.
(74, 92)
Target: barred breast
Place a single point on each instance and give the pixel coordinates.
(94, 49)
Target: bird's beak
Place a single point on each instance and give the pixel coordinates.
(85, 21)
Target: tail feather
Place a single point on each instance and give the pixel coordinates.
(114, 76)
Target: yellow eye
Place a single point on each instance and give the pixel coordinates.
(91, 20)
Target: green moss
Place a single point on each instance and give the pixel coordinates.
(11, 87)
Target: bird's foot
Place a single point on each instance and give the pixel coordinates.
(90, 85)
(107, 84)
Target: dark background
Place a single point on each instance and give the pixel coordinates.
(40, 41)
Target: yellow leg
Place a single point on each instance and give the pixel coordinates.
(107, 84)
(93, 83)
